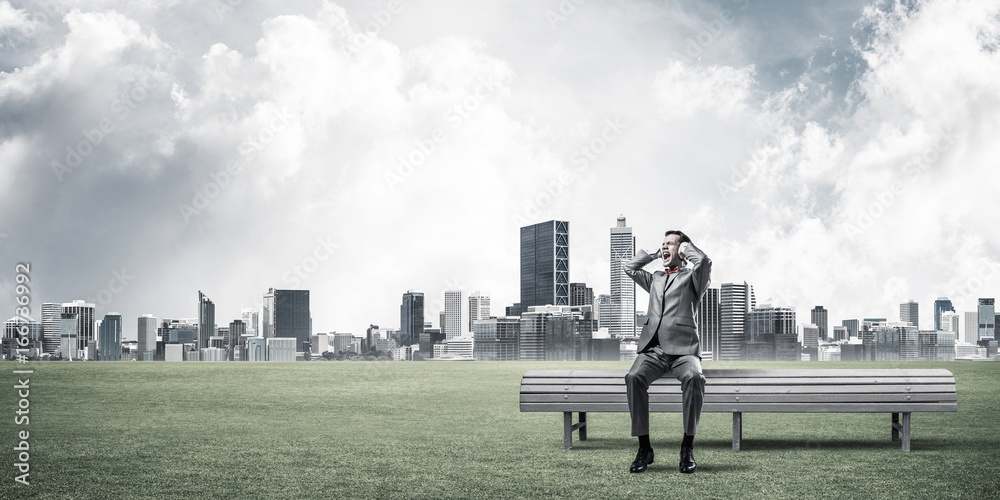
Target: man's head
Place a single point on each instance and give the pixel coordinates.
(668, 250)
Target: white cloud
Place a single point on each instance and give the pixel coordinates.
(683, 90)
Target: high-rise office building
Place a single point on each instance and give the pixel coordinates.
(545, 264)
(986, 319)
(237, 330)
(287, 315)
(580, 294)
(852, 327)
(411, 318)
(771, 320)
(949, 323)
(941, 305)
(69, 328)
(496, 339)
(621, 324)
(51, 327)
(810, 337)
(109, 338)
(819, 317)
(735, 302)
(909, 312)
(709, 321)
(479, 307)
(206, 319)
(146, 335)
(451, 326)
(251, 318)
(604, 309)
(971, 330)
(18, 327)
(839, 333)
(85, 321)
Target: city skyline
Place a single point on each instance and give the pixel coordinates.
(300, 145)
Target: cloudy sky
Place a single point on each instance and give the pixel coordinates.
(840, 153)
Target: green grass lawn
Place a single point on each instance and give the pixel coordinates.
(439, 429)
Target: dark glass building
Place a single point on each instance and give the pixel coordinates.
(941, 305)
(109, 338)
(206, 319)
(411, 318)
(545, 264)
(287, 315)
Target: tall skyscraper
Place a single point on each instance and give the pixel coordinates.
(237, 330)
(709, 320)
(545, 264)
(109, 338)
(987, 318)
(941, 305)
(146, 334)
(735, 302)
(479, 307)
(51, 327)
(604, 309)
(85, 321)
(621, 324)
(909, 312)
(286, 314)
(206, 319)
(971, 330)
(819, 317)
(452, 327)
(411, 318)
(580, 294)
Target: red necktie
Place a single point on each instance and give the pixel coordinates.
(672, 271)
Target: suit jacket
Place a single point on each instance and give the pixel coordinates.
(674, 301)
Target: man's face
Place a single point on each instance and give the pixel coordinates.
(668, 251)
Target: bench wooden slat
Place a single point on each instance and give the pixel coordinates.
(732, 389)
(750, 407)
(755, 381)
(751, 398)
(750, 373)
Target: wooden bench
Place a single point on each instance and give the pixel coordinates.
(895, 391)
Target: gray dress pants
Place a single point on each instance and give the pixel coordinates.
(650, 366)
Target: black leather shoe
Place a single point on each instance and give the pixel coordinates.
(687, 465)
(642, 460)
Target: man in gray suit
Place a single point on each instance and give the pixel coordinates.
(669, 343)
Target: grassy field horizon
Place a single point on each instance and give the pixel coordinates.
(453, 430)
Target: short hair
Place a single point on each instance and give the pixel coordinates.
(683, 237)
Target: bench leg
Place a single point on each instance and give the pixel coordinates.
(567, 429)
(895, 427)
(906, 431)
(583, 426)
(737, 429)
